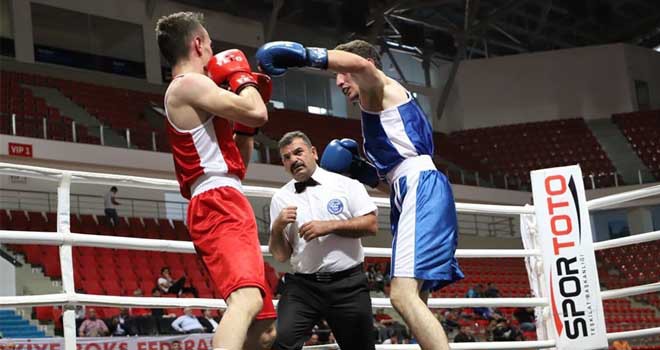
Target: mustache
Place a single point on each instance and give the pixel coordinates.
(296, 164)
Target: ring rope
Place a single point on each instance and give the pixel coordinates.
(67, 240)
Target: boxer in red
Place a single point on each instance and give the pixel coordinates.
(211, 132)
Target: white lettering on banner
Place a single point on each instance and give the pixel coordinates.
(186, 342)
(20, 149)
(568, 258)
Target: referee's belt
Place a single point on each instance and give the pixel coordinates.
(330, 276)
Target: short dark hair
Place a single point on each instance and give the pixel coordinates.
(173, 33)
(113, 189)
(362, 49)
(164, 268)
(288, 138)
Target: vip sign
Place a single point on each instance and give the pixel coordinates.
(568, 258)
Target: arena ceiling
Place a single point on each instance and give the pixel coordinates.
(466, 28)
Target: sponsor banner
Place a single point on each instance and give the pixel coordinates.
(182, 342)
(569, 262)
(20, 149)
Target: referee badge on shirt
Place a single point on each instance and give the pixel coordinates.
(335, 206)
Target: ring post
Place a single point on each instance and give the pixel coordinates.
(569, 262)
(66, 260)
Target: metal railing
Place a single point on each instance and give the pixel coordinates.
(57, 129)
(89, 204)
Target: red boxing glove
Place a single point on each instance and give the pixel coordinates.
(232, 67)
(244, 130)
(264, 85)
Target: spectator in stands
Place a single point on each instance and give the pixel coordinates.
(621, 345)
(379, 280)
(393, 339)
(313, 340)
(176, 345)
(208, 322)
(450, 321)
(80, 311)
(139, 311)
(492, 291)
(158, 315)
(123, 324)
(110, 202)
(92, 326)
(503, 331)
(475, 292)
(144, 322)
(525, 317)
(331, 338)
(167, 284)
(187, 323)
(382, 317)
(464, 335)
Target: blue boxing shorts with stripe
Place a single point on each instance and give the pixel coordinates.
(425, 229)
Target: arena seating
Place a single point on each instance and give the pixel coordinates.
(114, 108)
(14, 326)
(517, 149)
(113, 271)
(642, 129)
(30, 111)
(120, 272)
(511, 150)
(317, 128)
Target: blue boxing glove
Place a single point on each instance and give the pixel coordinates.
(341, 156)
(336, 158)
(275, 57)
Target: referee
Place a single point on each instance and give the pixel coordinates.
(317, 220)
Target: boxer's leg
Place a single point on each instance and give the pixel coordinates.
(242, 306)
(405, 298)
(425, 239)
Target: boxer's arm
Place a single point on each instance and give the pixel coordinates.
(201, 92)
(245, 146)
(369, 79)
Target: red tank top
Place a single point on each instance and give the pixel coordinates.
(205, 154)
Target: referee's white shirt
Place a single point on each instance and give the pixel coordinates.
(336, 197)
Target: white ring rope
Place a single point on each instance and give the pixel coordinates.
(85, 240)
(171, 185)
(623, 241)
(630, 291)
(66, 239)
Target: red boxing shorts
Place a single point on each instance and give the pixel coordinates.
(224, 232)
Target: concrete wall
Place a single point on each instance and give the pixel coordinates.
(6, 20)
(591, 82)
(7, 278)
(643, 64)
(221, 26)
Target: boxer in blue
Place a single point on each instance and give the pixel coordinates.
(398, 144)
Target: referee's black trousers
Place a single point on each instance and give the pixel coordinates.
(345, 304)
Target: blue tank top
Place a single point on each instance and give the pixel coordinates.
(396, 134)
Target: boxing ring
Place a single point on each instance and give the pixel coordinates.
(66, 240)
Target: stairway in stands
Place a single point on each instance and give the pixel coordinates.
(13, 325)
(619, 150)
(55, 98)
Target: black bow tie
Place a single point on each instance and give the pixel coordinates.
(301, 186)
